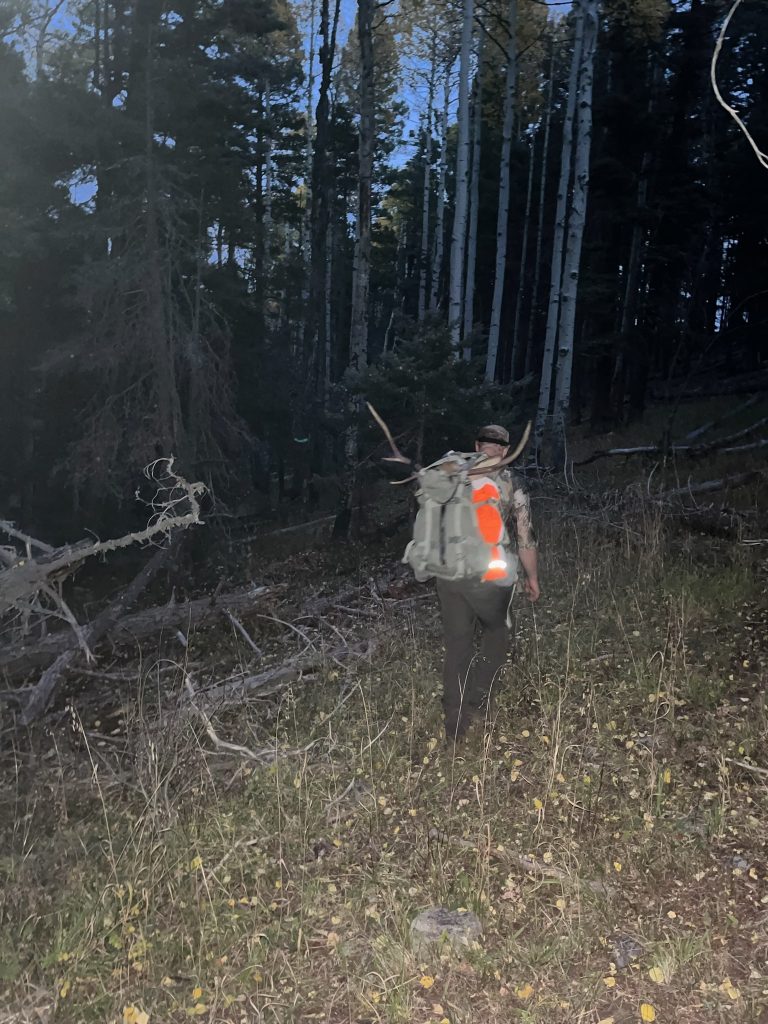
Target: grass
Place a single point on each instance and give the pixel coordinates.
(145, 874)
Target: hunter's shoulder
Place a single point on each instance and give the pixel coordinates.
(513, 483)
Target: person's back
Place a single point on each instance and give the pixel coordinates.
(462, 538)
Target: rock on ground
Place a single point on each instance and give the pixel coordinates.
(457, 928)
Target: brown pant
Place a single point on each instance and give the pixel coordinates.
(468, 678)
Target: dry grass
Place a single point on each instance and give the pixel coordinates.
(150, 875)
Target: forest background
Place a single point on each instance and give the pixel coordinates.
(224, 223)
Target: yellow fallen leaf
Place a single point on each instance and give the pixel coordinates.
(132, 1015)
(560, 903)
(729, 989)
(617, 865)
(647, 1012)
(196, 863)
(64, 990)
(609, 982)
(667, 775)
(197, 1010)
(525, 991)
(537, 804)
(197, 992)
(656, 974)
(426, 981)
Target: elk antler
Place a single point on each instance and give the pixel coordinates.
(397, 455)
(493, 464)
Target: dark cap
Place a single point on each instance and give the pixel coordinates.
(493, 433)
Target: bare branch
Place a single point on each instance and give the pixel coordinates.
(230, 748)
(174, 505)
(41, 694)
(31, 542)
(761, 156)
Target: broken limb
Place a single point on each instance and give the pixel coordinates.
(19, 658)
(40, 695)
(22, 579)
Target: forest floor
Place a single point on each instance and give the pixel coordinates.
(148, 877)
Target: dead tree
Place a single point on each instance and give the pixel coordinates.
(31, 581)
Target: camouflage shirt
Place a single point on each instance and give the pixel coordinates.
(516, 510)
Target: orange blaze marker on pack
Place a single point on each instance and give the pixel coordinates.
(487, 500)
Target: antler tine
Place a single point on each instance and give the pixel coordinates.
(508, 458)
(397, 455)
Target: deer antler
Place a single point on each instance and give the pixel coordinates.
(493, 464)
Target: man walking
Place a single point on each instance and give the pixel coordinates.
(472, 602)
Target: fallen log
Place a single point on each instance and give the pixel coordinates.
(275, 678)
(721, 446)
(694, 435)
(708, 486)
(20, 658)
(40, 696)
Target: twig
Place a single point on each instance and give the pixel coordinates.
(243, 632)
(300, 632)
(751, 767)
(231, 748)
(522, 860)
(69, 617)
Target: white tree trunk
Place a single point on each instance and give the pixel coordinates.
(358, 335)
(529, 346)
(556, 272)
(502, 218)
(437, 261)
(515, 356)
(458, 240)
(575, 231)
(474, 204)
(267, 222)
(426, 193)
(305, 230)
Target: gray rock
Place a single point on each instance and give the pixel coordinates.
(740, 863)
(438, 925)
(624, 950)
